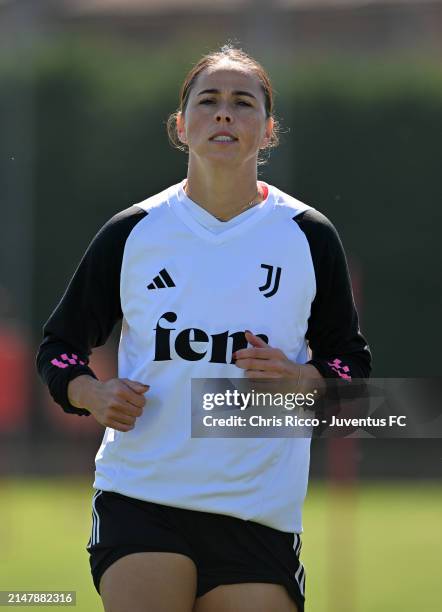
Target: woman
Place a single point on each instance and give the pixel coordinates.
(218, 276)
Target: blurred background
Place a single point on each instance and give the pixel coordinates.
(86, 87)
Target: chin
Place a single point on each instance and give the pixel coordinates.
(221, 157)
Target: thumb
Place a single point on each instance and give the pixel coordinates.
(136, 386)
(255, 340)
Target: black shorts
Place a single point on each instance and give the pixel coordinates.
(225, 549)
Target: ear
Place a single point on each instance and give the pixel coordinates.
(181, 127)
(268, 132)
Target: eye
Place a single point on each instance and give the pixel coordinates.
(243, 103)
(207, 101)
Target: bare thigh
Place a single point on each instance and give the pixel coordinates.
(149, 582)
(246, 597)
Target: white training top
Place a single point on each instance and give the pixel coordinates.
(186, 286)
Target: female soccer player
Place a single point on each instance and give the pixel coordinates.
(218, 276)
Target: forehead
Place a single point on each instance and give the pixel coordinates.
(228, 76)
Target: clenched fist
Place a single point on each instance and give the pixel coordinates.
(116, 403)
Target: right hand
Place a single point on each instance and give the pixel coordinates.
(116, 403)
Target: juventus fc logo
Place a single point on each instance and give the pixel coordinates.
(272, 280)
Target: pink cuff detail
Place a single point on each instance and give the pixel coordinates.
(341, 370)
(72, 360)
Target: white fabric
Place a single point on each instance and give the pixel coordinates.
(207, 220)
(217, 278)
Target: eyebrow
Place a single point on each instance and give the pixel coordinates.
(235, 93)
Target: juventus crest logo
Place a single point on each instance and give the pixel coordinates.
(272, 281)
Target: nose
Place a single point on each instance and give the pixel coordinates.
(223, 116)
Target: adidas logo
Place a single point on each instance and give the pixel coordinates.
(162, 281)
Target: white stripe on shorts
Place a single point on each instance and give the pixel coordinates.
(300, 572)
(297, 545)
(302, 583)
(300, 575)
(95, 538)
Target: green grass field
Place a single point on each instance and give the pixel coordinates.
(375, 548)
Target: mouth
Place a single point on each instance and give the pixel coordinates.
(223, 138)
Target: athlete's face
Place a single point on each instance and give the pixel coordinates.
(225, 99)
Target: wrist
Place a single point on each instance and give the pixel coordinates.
(311, 378)
(310, 372)
(79, 391)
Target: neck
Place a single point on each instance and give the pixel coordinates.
(223, 192)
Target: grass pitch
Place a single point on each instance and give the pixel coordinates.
(371, 548)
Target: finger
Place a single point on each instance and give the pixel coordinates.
(256, 353)
(136, 386)
(254, 340)
(124, 395)
(121, 417)
(260, 374)
(135, 407)
(259, 364)
(123, 406)
(136, 400)
(119, 426)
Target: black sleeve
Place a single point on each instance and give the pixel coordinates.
(339, 350)
(88, 310)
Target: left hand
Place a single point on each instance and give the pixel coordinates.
(263, 361)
